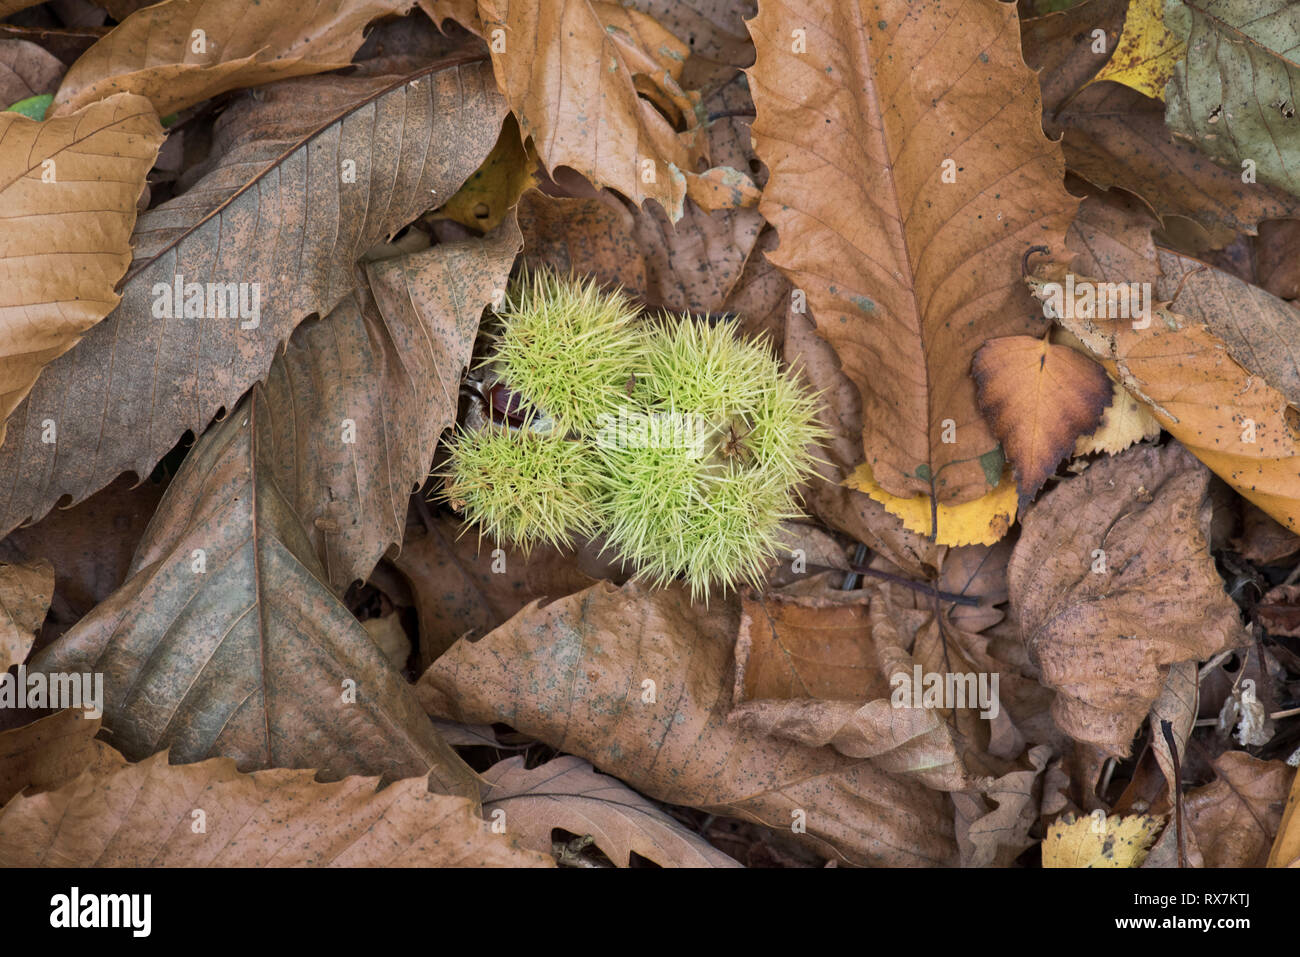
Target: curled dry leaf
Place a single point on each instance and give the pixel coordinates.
(26, 70)
(1229, 417)
(25, 594)
(909, 173)
(993, 823)
(49, 752)
(142, 815)
(572, 71)
(568, 793)
(1112, 582)
(823, 670)
(1237, 816)
(69, 190)
(180, 53)
(227, 640)
(638, 682)
(1038, 398)
(273, 212)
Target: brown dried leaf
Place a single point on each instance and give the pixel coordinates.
(638, 683)
(1038, 398)
(26, 70)
(567, 793)
(227, 640)
(143, 815)
(907, 274)
(1236, 817)
(571, 71)
(49, 752)
(262, 214)
(69, 188)
(1112, 581)
(25, 593)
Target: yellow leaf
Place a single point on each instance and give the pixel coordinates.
(1124, 422)
(981, 522)
(485, 198)
(1100, 840)
(1146, 54)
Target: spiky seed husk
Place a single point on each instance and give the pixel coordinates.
(525, 487)
(570, 348)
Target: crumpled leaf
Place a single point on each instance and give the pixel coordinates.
(494, 189)
(906, 274)
(1234, 94)
(144, 815)
(1229, 417)
(1112, 581)
(567, 793)
(821, 670)
(273, 209)
(1236, 816)
(227, 640)
(25, 594)
(69, 188)
(637, 681)
(156, 53)
(26, 70)
(981, 522)
(48, 753)
(1038, 398)
(1110, 841)
(1286, 847)
(993, 822)
(572, 70)
(1146, 54)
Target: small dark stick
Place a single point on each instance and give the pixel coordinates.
(1167, 731)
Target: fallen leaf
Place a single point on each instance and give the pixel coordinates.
(1112, 582)
(26, 70)
(1147, 52)
(637, 682)
(185, 51)
(69, 189)
(132, 388)
(227, 640)
(981, 522)
(569, 71)
(908, 174)
(1103, 841)
(1234, 94)
(993, 823)
(1236, 817)
(495, 187)
(147, 815)
(567, 793)
(25, 593)
(51, 751)
(1038, 398)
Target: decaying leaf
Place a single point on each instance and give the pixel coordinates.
(25, 594)
(981, 522)
(1038, 398)
(51, 751)
(69, 188)
(178, 53)
(638, 682)
(143, 815)
(1112, 581)
(274, 224)
(896, 137)
(1236, 817)
(1147, 51)
(567, 793)
(1100, 840)
(227, 640)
